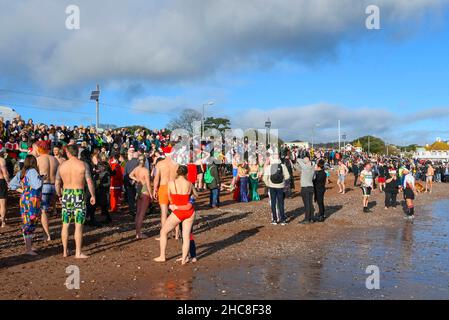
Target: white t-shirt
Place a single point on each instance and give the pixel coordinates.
(410, 180)
(368, 178)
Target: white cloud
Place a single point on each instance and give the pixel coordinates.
(296, 123)
(156, 104)
(179, 40)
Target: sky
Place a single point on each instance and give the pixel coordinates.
(303, 64)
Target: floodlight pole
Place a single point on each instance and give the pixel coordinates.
(98, 109)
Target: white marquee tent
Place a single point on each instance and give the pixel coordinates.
(8, 114)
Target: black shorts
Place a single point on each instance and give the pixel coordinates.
(3, 189)
(409, 194)
(366, 191)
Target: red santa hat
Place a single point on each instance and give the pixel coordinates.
(167, 150)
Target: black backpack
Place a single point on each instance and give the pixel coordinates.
(277, 174)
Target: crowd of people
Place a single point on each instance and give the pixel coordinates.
(391, 175)
(83, 169)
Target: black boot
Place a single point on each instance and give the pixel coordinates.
(411, 212)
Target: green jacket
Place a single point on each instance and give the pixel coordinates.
(214, 172)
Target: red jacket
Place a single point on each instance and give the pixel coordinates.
(117, 174)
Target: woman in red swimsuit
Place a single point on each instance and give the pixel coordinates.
(179, 193)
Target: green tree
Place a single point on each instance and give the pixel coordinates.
(185, 120)
(372, 144)
(220, 124)
(410, 147)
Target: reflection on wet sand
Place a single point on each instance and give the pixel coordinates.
(172, 289)
(412, 259)
(409, 257)
(407, 245)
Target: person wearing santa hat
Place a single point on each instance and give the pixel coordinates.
(116, 183)
(165, 172)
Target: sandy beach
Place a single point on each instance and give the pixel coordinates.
(242, 256)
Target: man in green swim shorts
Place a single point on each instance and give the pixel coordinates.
(74, 206)
(71, 178)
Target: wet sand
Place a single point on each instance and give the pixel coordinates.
(242, 256)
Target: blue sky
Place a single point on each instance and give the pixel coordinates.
(391, 83)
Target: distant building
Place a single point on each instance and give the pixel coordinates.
(357, 147)
(299, 144)
(8, 114)
(438, 150)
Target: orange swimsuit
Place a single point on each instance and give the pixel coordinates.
(182, 200)
(163, 195)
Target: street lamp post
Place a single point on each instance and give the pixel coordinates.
(268, 126)
(343, 137)
(210, 103)
(339, 136)
(95, 95)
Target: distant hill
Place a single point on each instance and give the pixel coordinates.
(134, 128)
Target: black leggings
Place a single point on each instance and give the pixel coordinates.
(101, 200)
(307, 198)
(319, 198)
(390, 199)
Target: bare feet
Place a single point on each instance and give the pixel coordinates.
(45, 238)
(31, 253)
(81, 256)
(141, 236)
(159, 259)
(3, 224)
(183, 262)
(194, 260)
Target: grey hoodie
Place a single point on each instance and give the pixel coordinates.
(307, 172)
